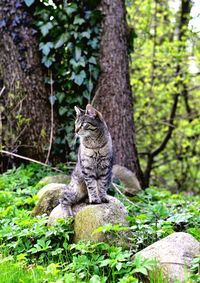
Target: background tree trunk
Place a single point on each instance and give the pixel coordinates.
(113, 95)
(25, 110)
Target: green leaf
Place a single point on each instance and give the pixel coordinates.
(46, 47)
(90, 86)
(78, 20)
(47, 61)
(86, 34)
(92, 60)
(86, 94)
(29, 2)
(78, 79)
(93, 43)
(94, 71)
(45, 28)
(52, 99)
(142, 270)
(70, 8)
(95, 279)
(77, 53)
(62, 110)
(119, 265)
(62, 39)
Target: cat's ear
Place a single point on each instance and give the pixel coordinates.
(92, 112)
(79, 111)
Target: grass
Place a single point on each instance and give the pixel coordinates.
(11, 272)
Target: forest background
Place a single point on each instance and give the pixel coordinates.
(143, 74)
(164, 53)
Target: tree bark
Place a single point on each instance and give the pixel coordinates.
(113, 95)
(25, 110)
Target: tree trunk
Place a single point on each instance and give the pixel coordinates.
(113, 95)
(25, 114)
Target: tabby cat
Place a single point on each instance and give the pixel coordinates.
(92, 174)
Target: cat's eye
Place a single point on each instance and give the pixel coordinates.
(85, 126)
(88, 126)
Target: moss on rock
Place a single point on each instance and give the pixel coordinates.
(49, 197)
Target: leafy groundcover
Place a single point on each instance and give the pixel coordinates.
(30, 251)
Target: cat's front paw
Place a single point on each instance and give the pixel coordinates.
(95, 201)
(105, 199)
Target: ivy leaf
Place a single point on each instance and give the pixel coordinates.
(78, 20)
(95, 279)
(90, 86)
(93, 43)
(94, 71)
(70, 8)
(62, 39)
(92, 60)
(47, 61)
(86, 34)
(29, 2)
(52, 99)
(62, 110)
(46, 47)
(45, 28)
(77, 53)
(78, 79)
(86, 94)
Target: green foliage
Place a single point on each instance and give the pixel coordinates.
(195, 269)
(20, 233)
(69, 43)
(158, 54)
(157, 213)
(30, 250)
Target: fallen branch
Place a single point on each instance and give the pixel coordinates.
(30, 159)
(116, 188)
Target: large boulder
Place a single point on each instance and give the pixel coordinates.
(128, 179)
(58, 179)
(89, 217)
(174, 253)
(58, 213)
(49, 197)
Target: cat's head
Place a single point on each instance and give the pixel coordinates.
(88, 122)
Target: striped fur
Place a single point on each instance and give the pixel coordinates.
(92, 174)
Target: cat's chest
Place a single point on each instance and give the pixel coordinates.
(95, 157)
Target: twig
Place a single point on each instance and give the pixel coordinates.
(52, 123)
(2, 90)
(171, 262)
(30, 159)
(115, 186)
